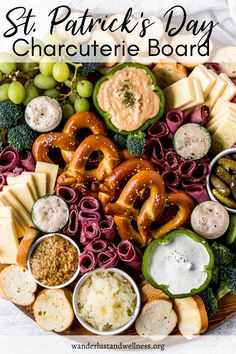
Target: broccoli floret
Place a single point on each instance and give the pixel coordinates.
(3, 138)
(210, 301)
(21, 137)
(88, 68)
(136, 143)
(120, 140)
(225, 271)
(222, 254)
(10, 114)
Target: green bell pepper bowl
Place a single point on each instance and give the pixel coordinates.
(165, 240)
(106, 115)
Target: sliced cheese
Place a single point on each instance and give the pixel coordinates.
(24, 179)
(180, 94)
(199, 99)
(216, 92)
(224, 137)
(19, 222)
(40, 181)
(222, 105)
(8, 199)
(230, 89)
(23, 193)
(8, 241)
(51, 171)
(6, 212)
(206, 77)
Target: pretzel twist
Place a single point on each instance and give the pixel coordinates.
(76, 175)
(110, 189)
(185, 205)
(125, 212)
(67, 140)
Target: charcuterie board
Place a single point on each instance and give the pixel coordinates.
(101, 206)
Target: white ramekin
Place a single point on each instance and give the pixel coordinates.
(32, 249)
(114, 331)
(212, 164)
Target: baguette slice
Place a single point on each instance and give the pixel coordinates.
(53, 310)
(17, 285)
(192, 316)
(149, 293)
(24, 246)
(156, 320)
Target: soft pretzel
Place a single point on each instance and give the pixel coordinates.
(125, 212)
(76, 175)
(45, 142)
(110, 188)
(185, 205)
(80, 121)
(67, 140)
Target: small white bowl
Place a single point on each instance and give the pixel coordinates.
(208, 185)
(32, 249)
(117, 330)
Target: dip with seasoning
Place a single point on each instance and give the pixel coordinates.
(54, 261)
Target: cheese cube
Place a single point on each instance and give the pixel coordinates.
(180, 94)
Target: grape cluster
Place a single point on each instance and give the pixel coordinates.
(22, 82)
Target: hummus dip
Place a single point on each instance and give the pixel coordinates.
(129, 98)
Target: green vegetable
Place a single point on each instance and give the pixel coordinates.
(10, 114)
(3, 139)
(182, 259)
(136, 143)
(231, 232)
(220, 186)
(120, 140)
(225, 268)
(21, 137)
(107, 115)
(230, 203)
(88, 68)
(210, 301)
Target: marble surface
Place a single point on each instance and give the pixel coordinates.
(15, 323)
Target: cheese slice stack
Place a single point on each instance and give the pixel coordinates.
(184, 94)
(8, 236)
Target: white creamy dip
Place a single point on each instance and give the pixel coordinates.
(43, 114)
(179, 264)
(129, 98)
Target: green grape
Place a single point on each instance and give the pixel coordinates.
(16, 92)
(85, 88)
(73, 97)
(60, 72)
(31, 92)
(46, 66)
(1, 76)
(4, 92)
(67, 111)
(44, 82)
(30, 68)
(71, 84)
(54, 93)
(82, 105)
(6, 63)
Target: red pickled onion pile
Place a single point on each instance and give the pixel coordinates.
(178, 173)
(96, 234)
(13, 164)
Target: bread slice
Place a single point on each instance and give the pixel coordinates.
(167, 73)
(192, 316)
(226, 57)
(53, 310)
(149, 293)
(17, 285)
(156, 320)
(25, 245)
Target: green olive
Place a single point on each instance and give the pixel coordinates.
(220, 186)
